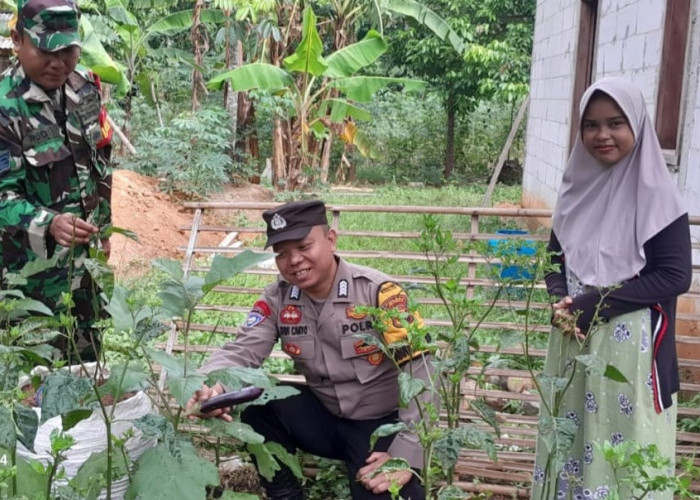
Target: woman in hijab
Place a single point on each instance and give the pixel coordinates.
(622, 248)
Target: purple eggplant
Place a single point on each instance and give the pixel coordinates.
(232, 398)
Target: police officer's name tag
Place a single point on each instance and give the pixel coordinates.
(41, 134)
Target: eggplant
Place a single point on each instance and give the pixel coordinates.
(232, 398)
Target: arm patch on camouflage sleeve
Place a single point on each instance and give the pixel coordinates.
(4, 162)
(391, 296)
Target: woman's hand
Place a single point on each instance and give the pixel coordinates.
(564, 320)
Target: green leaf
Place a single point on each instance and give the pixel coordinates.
(185, 475)
(486, 413)
(8, 434)
(32, 478)
(409, 388)
(595, 365)
(288, 459)
(558, 435)
(342, 109)
(307, 57)
(182, 21)
(27, 424)
(124, 378)
(155, 426)
(120, 310)
(232, 495)
(179, 297)
(94, 56)
(236, 429)
(348, 60)
(91, 476)
(614, 374)
(266, 77)
(385, 430)
(550, 385)
(428, 18)
(223, 268)
(37, 266)
(236, 377)
(128, 233)
(181, 386)
(264, 461)
(63, 392)
(23, 307)
(362, 88)
(172, 268)
(74, 417)
(117, 10)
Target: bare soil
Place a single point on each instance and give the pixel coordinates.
(158, 220)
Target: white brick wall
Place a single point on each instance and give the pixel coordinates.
(553, 59)
(628, 44)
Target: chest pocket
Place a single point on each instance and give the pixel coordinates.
(299, 348)
(44, 145)
(368, 361)
(88, 116)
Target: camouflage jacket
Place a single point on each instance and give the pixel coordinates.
(50, 163)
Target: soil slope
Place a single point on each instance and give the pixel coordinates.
(158, 219)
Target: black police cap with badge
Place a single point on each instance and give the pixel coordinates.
(293, 221)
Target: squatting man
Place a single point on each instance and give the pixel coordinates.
(351, 386)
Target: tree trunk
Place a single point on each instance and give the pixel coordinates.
(199, 44)
(231, 97)
(450, 139)
(326, 158)
(279, 166)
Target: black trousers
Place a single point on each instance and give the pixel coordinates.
(302, 422)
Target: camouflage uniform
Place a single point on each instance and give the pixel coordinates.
(53, 159)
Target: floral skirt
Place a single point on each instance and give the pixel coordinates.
(593, 408)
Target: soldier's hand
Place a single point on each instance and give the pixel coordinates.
(106, 247)
(69, 230)
(202, 395)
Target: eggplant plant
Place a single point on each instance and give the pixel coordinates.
(75, 398)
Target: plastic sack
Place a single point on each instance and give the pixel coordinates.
(90, 437)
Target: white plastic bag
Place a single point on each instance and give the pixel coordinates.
(90, 436)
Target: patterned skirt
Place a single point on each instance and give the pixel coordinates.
(599, 409)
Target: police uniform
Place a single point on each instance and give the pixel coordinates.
(348, 380)
(54, 158)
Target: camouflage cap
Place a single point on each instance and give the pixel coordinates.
(51, 24)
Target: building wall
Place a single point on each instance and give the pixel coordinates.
(553, 63)
(629, 44)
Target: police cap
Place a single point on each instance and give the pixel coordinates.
(293, 221)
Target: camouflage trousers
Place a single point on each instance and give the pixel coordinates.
(81, 341)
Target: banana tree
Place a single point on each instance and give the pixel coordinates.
(306, 83)
(134, 45)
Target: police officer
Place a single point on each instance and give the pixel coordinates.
(55, 178)
(351, 387)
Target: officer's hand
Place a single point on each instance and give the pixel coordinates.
(381, 482)
(69, 230)
(204, 394)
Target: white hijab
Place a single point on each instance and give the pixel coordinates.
(604, 215)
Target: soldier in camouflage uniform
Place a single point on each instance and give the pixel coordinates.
(55, 178)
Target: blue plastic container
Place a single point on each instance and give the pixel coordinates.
(525, 247)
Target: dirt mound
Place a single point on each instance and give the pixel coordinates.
(158, 219)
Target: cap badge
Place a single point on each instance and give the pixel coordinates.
(278, 222)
